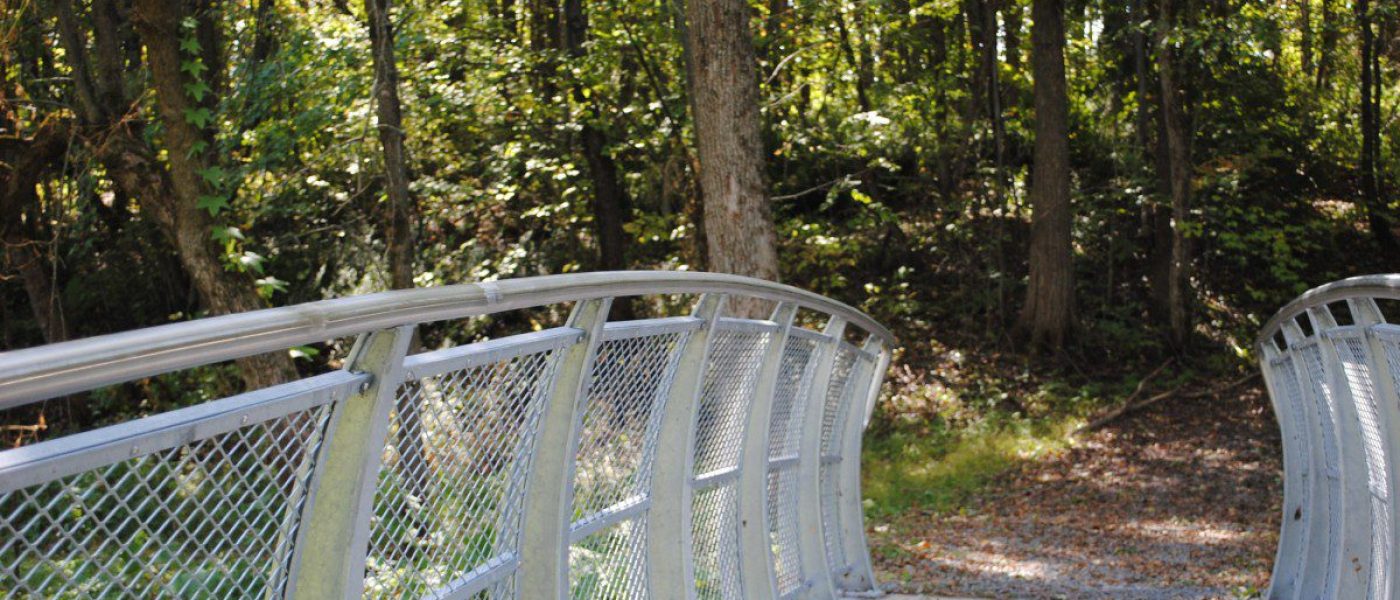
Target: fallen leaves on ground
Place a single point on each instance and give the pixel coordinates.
(1179, 501)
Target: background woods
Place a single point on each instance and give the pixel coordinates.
(1108, 182)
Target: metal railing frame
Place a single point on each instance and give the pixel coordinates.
(327, 555)
(1333, 389)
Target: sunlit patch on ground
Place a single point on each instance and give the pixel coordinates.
(1178, 502)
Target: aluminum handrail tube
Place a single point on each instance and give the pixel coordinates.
(1382, 287)
(48, 371)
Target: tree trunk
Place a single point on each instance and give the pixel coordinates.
(739, 229)
(398, 232)
(23, 164)
(1178, 152)
(1305, 35)
(609, 197)
(1324, 49)
(1011, 19)
(1370, 130)
(1048, 314)
(174, 205)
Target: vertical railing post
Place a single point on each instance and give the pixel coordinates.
(328, 560)
(757, 573)
(809, 513)
(860, 576)
(671, 572)
(1366, 313)
(544, 560)
(1283, 582)
(1313, 575)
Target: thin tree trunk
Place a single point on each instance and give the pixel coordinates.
(1305, 35)
(174, 205)
(1370, 130)
(388, 110)
(1179, 181)
(1011, 18)
(1324, 50)
(1048, 314)
(741, 237)
(610, 200)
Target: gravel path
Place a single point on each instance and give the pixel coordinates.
(1180, 501)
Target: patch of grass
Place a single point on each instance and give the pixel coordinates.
(939, 471)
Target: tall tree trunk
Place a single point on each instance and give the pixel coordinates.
(1048, 314)
(1370, 130)
(1178, 152)
(389, 113)
(1305, 35)
(739, 229)
(174, 207)
(1328, 29)
(24, 162)
(609, 197)
(1011, 19)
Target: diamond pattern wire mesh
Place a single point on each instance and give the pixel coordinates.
(730, 379)
(631, 378)
(790, 397)
(1287, 377)
(1323, 401)
(610, 564)
(452, 481)
(715, 542)
(841, 367)
(784, 438)
(1353, 350)
(782, 519)
(215, 518)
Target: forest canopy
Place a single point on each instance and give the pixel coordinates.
(1092, 177)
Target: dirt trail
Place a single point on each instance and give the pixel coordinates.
(1180, 501)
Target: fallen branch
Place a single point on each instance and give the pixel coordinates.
(1127, 403)
(1130, 407)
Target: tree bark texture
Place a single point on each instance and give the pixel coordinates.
(1048, 314)
(398, 232)
(1178, 151)
(739, 228)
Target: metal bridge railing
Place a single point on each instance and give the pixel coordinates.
(696, 456)
(1332, 365)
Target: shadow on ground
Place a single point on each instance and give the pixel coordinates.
(1180, 501)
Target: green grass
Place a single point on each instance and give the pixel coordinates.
(940, 472)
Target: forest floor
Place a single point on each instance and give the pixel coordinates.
(1180, 500)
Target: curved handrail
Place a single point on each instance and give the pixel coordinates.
(34, 374)
(1373, 286)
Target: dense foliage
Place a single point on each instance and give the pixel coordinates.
(899, 135)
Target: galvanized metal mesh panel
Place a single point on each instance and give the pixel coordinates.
(783, 528)
(790, 397)
(831, 520)
(610, 564)
(1326, 411)
(215, 518)
(715, 542)
(453, 476)
(730, 379)
(630, 380)
(841, 366)
(1352, 352)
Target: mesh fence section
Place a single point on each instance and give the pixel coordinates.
(841, 366)
(453, 476)
(215, 518)
(790, 397)
(1353, 351)
(715, 542)
(730, 379)
(630, 380)
(610, 564)
(782, 529)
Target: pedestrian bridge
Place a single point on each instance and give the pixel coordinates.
(700, 455)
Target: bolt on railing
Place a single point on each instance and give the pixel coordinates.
(698, 456)
(1331, 362)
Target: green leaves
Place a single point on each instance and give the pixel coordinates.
(197, 90)
(213, 204)
(213, 175)
(199, 117)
